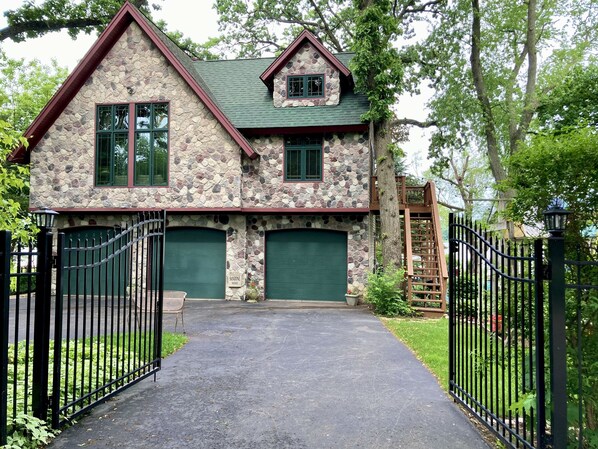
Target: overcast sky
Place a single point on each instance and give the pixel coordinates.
(197, 20)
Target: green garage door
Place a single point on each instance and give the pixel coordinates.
(195, 262)
(306, 264)
(101, 277)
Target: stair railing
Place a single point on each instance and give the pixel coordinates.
(430, 195)
(408, 253)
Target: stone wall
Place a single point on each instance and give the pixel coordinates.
(204, 162)
(345, 173)
(307, 61)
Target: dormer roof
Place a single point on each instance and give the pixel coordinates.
(267, 76)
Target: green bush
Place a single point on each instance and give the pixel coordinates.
(385, 293)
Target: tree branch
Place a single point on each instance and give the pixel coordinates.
(450, 206)
(15, 32)
(333, 40)
(413, 122)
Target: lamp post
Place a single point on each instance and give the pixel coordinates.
(44, 219)
(555, 222)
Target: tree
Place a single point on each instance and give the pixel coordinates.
(252, 28)
(13, 181)
(25, 88)
(483, 63)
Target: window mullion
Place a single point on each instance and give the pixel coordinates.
(303, 164)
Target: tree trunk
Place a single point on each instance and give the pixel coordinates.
(390, 217)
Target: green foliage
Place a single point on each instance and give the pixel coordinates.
(100, 358)
(13, 182)
(27, 432)
(377, 65)
(385, 292)
(25, 88)
(34, 19)
(251, 28)
(560, 165)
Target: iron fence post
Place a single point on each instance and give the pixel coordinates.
(451, 280)
(57, 368)
(539, 278)
(4, 298)
(558, 343)
(41, 326)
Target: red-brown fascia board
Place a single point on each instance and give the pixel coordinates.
(213, 210)
(125, 16)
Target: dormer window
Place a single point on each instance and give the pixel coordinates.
(305, 86)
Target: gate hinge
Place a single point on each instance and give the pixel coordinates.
(54, 261)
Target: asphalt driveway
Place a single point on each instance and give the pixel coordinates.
(280, 376)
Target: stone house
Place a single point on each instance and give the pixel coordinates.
(262, 165)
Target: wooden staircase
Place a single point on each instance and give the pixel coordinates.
(425, 262)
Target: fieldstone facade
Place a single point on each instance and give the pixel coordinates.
(207, 169)
(204, 162)
(307, 61)
(345, 175)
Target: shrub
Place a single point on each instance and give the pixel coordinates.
(385, 293)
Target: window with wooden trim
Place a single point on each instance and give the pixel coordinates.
(145, 143)
(303, 158)
(305, 86)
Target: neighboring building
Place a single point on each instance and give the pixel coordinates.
(263, 165)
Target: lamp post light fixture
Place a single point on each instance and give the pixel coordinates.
(44, 217)
(555, 218)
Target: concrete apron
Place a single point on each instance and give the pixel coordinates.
(280, 375)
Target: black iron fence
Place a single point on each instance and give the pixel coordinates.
(102, 307)
(524, 364)
(581, 294)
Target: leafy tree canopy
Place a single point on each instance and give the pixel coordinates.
(25, 88)
(13, 181)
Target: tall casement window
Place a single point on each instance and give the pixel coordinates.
(305, 86)
(112, 145)
(145, 143)
(151, 144)
(303, 158)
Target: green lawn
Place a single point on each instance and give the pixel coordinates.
(172, 342)
(428, 339)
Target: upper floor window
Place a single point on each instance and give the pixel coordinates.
(145, 142)
(305, 86)
(303, 158)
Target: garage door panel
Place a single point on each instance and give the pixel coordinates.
(306, 264)
(195, 262)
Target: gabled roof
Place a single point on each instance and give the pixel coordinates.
(175, 56)
(268, 75)
(236, 87)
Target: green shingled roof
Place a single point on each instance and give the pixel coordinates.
(236, 88)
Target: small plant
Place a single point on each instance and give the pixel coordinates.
(385, 293)
(252, 293)
(27, 432)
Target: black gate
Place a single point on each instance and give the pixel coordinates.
(496, 333)
(104, 311)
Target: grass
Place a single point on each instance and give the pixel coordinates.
(172, 342)
(428, 339)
